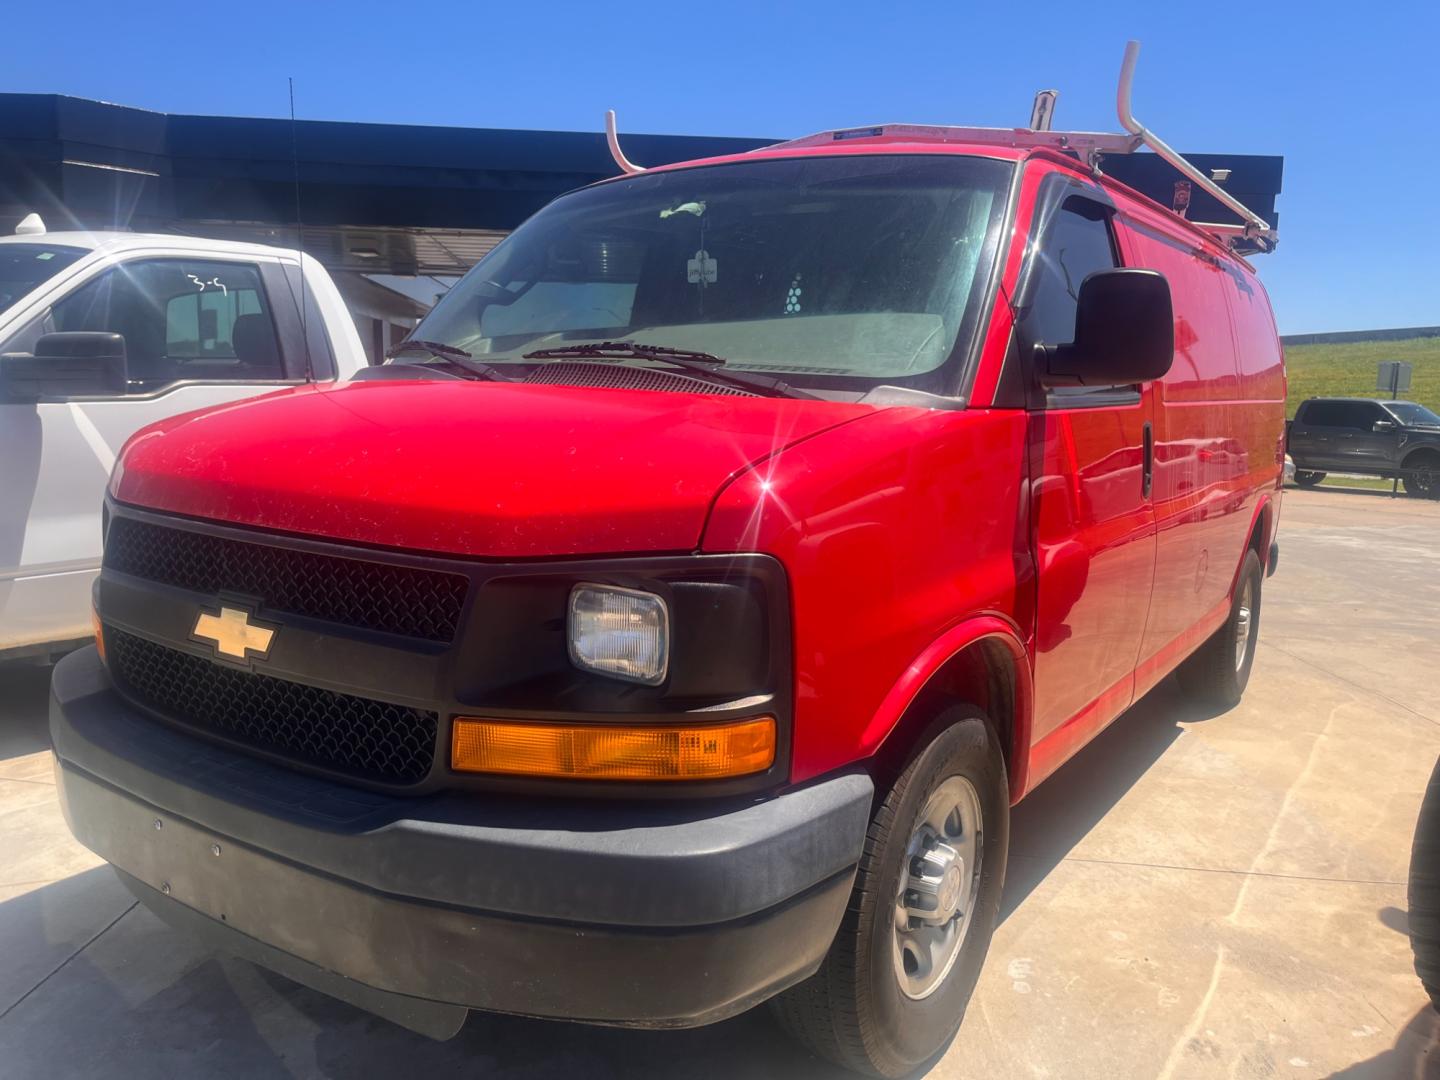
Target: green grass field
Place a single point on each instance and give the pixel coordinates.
(1348, 370)
(1370, 483)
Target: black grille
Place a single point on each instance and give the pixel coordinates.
(363, 738)
(617, 377)
(372, 595)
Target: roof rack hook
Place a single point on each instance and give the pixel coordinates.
(1122, 94)
(626, 165)
(1252, 221)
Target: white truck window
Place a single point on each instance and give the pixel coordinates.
(182, 320)
(24, 267)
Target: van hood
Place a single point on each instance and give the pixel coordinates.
(479, 469)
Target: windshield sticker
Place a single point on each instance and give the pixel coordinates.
(702, 270)
(792, 298)
(696, 208)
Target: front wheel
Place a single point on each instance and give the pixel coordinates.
(1218, 671)
(892, 990)
(1308, 477)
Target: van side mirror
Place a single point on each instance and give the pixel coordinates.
(1383, 425)
(76, 363)
(1124, 332)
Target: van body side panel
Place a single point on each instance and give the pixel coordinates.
(1262, 380)
(1205, 447)
(1095, 557)
(893, 530)
(1093, 528)
(1262, 360)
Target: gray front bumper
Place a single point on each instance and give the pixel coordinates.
(655, 915)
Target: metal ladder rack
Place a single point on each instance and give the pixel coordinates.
(1090, 147)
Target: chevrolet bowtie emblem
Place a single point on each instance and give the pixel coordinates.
(233, 634)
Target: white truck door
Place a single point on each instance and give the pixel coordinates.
(198, 331)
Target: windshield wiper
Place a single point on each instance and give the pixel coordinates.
(624, 350)
(704, 364)
(455, 357)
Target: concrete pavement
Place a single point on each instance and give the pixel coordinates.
(1194, 896)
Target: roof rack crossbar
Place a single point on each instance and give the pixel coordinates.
(1090, 146)
(1255, 228)
(1087, 143)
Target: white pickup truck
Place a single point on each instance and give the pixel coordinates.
(103, 333)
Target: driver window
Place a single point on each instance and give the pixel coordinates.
(1078, 244)
(182, 320)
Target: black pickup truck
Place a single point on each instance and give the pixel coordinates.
(1372, 438)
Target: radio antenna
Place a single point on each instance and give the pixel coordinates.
(299, 234)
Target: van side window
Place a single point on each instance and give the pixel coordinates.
(1079, 244)
(182, 319)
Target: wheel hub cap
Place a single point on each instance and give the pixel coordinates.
(938, 888)
(1244, 617)
(937, 878)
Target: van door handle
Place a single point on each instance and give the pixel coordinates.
(1147, 463)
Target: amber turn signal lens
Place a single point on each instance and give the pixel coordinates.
(99, 633)
(614, 751)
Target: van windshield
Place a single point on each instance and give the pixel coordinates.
(855, 267)
(24, 267)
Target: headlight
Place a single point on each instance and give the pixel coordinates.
(622, 633)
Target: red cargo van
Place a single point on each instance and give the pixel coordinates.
(673, 624)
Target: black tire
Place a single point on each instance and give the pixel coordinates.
(1421, 475)
(1308, 477)
(1211, 673)
(853, 1010)
(1425, 891)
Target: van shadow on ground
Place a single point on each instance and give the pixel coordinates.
(1047, 825)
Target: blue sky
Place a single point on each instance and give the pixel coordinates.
(1345, 92)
